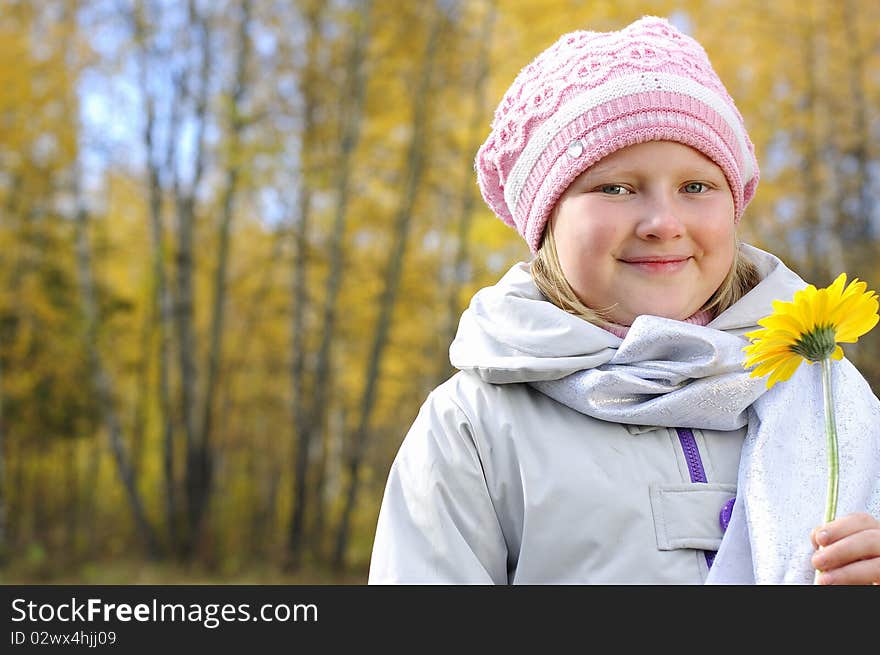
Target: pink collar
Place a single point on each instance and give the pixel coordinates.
(702, 317)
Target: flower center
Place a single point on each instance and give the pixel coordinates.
(816, 345)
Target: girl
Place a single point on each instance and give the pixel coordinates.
(601, 428)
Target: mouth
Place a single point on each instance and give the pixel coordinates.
(667, 264)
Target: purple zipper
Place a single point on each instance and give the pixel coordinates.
(695, 468)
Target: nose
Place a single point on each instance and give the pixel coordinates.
(660, 220)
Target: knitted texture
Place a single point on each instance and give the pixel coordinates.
(702, 317)
(593, 93)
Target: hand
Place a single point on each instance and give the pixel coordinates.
(848, 550)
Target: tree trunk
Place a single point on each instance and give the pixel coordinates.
(857, 99)
(311, 416)
(17, 465)
(218, 309)
(4, 545)
(89, 501)
(71, 500)
(816, 256)
(102, 379)
(328, 484)
(197, 476)
(394, 267)
(161, 299)
(475, 128)
(862, 252)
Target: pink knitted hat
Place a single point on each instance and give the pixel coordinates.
(592, 93)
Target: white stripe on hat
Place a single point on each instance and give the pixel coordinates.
(613, 90)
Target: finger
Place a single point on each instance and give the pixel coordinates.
(828, 533)
(861, 545)
(814, 536)
(863, 572)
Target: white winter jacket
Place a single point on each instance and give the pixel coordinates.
(498, 483)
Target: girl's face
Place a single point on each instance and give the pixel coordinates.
(647, 230)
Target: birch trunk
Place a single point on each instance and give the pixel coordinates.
(815, 260)
(197, 467)
(475, 129)
(861, 130)
(414, 166)
(218, 308)
(102, 378)
(161, 298)
(311, 416)
(4, 546)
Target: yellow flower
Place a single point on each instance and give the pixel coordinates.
(810, 327)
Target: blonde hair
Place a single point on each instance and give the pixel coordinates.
(550, 279)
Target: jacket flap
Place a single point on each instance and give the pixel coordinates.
(686, 515)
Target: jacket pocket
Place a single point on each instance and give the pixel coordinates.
(686, 515)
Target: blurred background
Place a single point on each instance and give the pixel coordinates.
(236, 237)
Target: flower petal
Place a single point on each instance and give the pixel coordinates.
(814, 316)
(784, 371)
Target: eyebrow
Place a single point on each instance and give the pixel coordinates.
(600, 169)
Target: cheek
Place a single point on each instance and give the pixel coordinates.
(584, 251)
(587, 235)
(581, 244)
(722, 240)
(584, 233)
(719, 244)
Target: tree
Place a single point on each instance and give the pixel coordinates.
(310, 415)
(161, 298)
(413, 169)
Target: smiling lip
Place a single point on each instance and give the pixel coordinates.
(669, 264)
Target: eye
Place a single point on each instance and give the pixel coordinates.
(614, 189)
(695, 187)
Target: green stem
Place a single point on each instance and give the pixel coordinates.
(831, 433)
